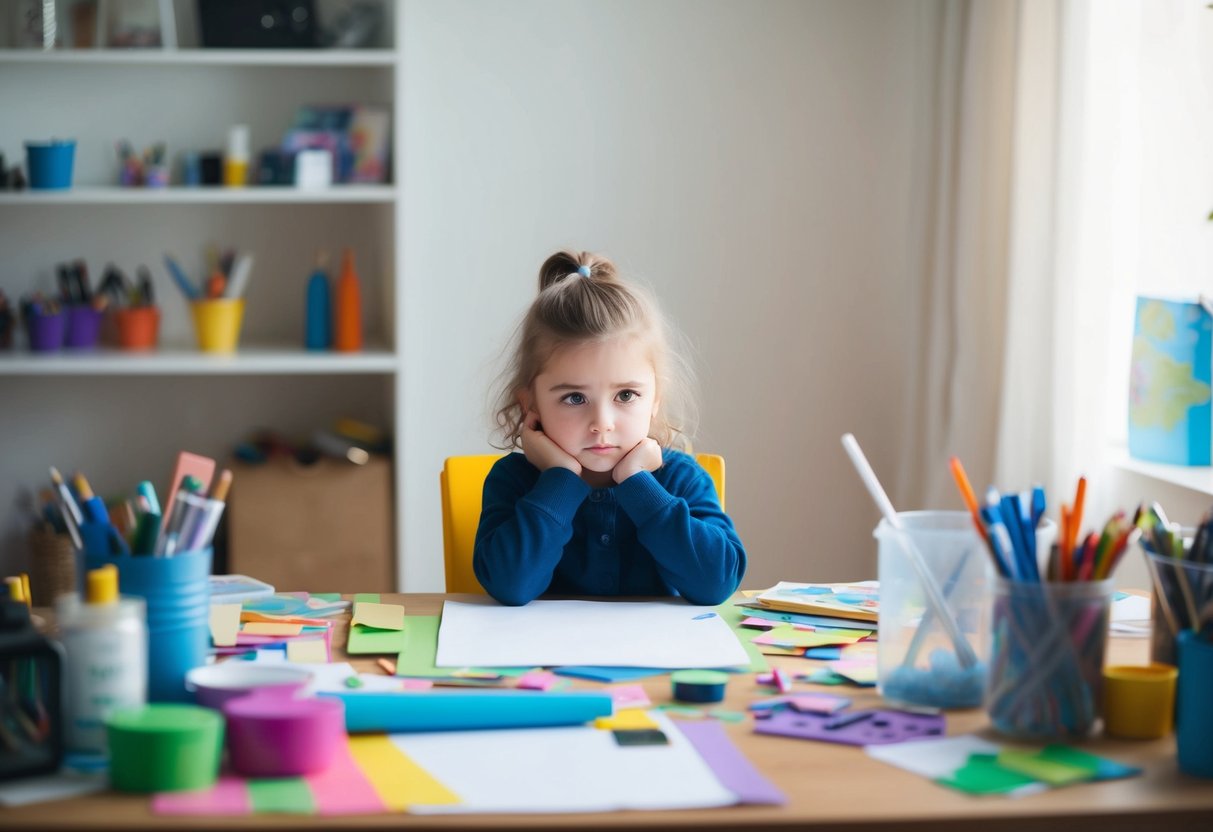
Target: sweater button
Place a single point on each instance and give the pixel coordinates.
(606, 538)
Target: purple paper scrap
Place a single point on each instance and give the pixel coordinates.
(732, 769)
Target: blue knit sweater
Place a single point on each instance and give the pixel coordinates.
(659, 533)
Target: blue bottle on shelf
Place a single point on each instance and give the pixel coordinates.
(318, 334)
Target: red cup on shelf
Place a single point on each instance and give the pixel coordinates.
(138, 328)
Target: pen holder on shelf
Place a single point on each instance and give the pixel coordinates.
(217, 323)
(917, 663)
(137, 328)
(1194, 718)
(83, 329)
(1181, 597)
(50, 164)
(177, 591)
(1047, 656)
(45, 330)
(53, 567)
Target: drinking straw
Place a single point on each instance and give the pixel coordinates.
(939, 606)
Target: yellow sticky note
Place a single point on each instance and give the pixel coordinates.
(259, 628)
(629, 719)
(1049, 771)
(225, 624)
(307, 651)
(394, 776)
(379, 616)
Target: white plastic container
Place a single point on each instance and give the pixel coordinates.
(105, 645)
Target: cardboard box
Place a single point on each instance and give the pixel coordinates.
(325, 527)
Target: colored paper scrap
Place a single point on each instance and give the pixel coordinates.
(343, 789)
(933, 758)
(286, 795)
(307, 651)
(1043, 769)
(727, 716)
(788, 635)
(640, 737)
(734, 771)
(261, 628)
(629, 696)
(229, 796)
(608, 674)
(824, 676)
(225, 624)
(632, 719)
(379, 616)
(1105, 769)
(982, 774)
(396, 778)
(537, 680)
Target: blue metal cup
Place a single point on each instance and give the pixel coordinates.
(50, 164)
(1193, 717)
(177, 590)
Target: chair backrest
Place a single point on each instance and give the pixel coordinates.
(461, 482)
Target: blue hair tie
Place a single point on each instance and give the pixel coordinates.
(584, 271)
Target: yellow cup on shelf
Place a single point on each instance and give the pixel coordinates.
(217, 323)
(1139, 700)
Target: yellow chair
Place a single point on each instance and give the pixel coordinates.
(462, 485)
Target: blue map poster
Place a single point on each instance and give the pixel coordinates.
(1170, 415)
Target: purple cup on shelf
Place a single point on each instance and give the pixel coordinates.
(45, 330)
(83, 327)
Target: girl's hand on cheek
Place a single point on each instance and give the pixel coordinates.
(541, 451)
(646, 456)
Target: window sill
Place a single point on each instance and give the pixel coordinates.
(1193, 478)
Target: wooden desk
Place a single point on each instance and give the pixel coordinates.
(829, 787)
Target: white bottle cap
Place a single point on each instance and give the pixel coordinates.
(238, 142)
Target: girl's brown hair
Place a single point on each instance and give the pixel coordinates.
(582, 298)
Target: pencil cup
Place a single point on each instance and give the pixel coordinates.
(217, 323)
(53, 570)
(918, 660)
(137, 328)
(1181, 595)
(1194, 717)
(1046, 657)
(45, 330)
(50, 164)
(177, 590)
(83, 327)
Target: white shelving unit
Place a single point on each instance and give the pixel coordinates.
(122, 416)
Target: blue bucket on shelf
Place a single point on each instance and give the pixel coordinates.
(50, 164)
(178, 594)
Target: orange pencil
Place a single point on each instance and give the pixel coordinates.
(1076, 512)
(1063, 547)
(966, 494)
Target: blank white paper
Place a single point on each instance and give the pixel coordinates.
(579, 769)
(667, 634)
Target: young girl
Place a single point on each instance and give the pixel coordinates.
(599, 502)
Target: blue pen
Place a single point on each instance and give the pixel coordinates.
(1009, 512)
(183, 282)
(1023, 505)
(999, 541)
(97, 529)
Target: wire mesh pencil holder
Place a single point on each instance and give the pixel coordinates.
(1047, 656)
(53, 568)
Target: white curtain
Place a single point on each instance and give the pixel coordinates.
(1069, 169)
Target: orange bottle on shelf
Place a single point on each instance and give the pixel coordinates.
(347, 311)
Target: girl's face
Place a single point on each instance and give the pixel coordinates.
(597, 400)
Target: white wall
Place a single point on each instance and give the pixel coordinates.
(750, 160)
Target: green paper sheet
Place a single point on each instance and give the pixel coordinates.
(1104, 768)
(287, 794)
(733, 616)
(983, 775)
(367, 640)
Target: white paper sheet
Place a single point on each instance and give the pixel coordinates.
(669, 634)
(579, 769)
(933, 758)
(1131, 617)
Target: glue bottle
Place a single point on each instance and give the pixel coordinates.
(236, 160)
(105, 646)
(318, 333)
(347, 318)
